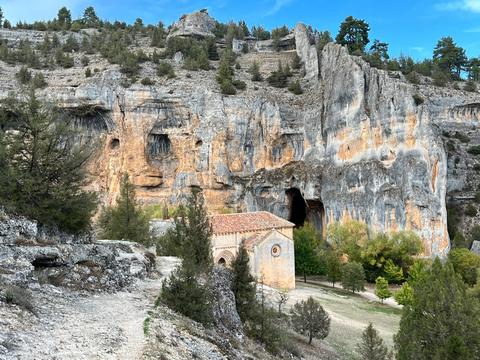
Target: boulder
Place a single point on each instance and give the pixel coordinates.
(198, 24)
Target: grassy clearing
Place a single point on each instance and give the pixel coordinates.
(350, 314)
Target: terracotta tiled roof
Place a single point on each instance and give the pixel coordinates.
(250, 221)
(251, 241)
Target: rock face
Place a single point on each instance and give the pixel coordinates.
(198, 24)
(307, 52)
(31, 255)
(360, 142)
(225, 314)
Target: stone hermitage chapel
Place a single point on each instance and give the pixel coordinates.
(268, 240)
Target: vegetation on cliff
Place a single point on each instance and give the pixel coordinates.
(42, 165)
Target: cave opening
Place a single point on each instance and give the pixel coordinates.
(302, 210)
(158, 144)
(115, 143)
(298, 207)
(46, 262)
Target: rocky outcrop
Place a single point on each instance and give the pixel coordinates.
(224, 310)
(198, 24)
(307, 52)
(30, 255)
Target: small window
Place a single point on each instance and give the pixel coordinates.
(276, 250)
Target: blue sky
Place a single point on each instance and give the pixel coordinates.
(410, 27)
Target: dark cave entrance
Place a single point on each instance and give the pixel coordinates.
(298, 207)
(222, 261)
(302, 210)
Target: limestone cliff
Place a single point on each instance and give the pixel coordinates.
(356, 144)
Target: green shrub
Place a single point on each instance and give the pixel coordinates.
(227, 88)
(471, 210)
(85, 61)
(474, 150)
(129, 65)
(237, 65)
(88, 72)
(462, 137)
(240, 85)
(309, 318)
(418, 99)
(296, 62)
(21, 297)
(182, 293)
(470, 86)
(146, 81)
(63, 60)
(165, 69)
(404, 296)
(440, 78)
(38, 81)
(466, 263)
(279, 77)
(413, 77)
(255, 71)
(295, 87)
(24, 76)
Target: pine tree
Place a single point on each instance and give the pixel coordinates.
(442, 320)
(309, 318)
(182, 293)
(42, 174)
(354, 34)
(190, 237)
(243, 284)
(371, 347)
(125, 220)
(381, 288)
(255, 71)
(353, 276)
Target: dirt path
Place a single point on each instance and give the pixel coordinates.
(104, 326)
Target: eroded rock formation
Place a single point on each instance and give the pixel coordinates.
(357, 144)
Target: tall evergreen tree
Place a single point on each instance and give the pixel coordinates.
(90, 18)
(354, 34)
(125, 220)
(449, 57)
(243, 284)
(372, 347)
(42, 172)
(442, 320)
(64, 18)
(190, 237)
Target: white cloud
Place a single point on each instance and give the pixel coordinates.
(279, 4)
(28, 10)
(466, 5)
